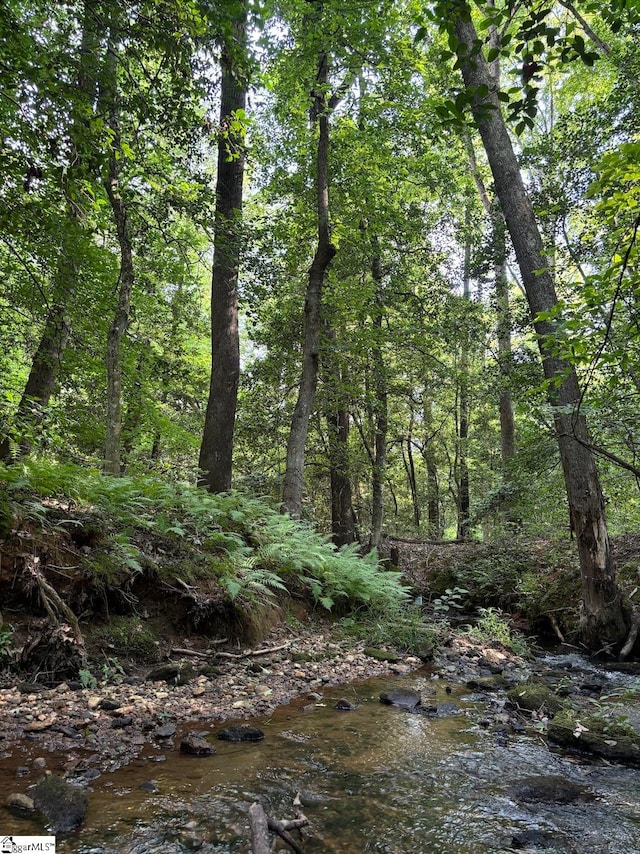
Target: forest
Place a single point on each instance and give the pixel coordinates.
(373, 262)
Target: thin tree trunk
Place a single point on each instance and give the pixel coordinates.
(410, 469)
(343, 529)
(45, 367)
(338, 421)
(507, 425)
(603, 620)
(429, 457)
(216, 450)
(120, 322)
(464, 499)
(381, 418)
(325, 251)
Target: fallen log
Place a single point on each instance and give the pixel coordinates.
(260, 840)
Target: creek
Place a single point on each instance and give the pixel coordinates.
(376, 779)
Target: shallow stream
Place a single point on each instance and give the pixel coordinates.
(377, 779)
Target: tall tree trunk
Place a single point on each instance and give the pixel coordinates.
(429, 457)
(507, 424)
(325, 251)
(120, 322)
(216, 450)
(410, 469)
(464, 500)
(603, 620)
(501, 284)
(380, 408)
(343, 528)
(45, 367)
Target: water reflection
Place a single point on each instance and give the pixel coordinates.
(373, 780)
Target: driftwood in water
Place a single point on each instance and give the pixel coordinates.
(261, 824)
(260, 840)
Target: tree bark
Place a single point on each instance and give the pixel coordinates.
(216, 449)
(603, 620)
(324, 254)
(428, 455)
(464, 499)
(380, 408)
(343, 529)
(120, 322)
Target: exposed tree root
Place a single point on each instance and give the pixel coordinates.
(626, 650)
(59, 651)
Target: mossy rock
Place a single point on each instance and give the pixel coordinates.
(63, 804)
(128, 636)
(489, 684)
(533, 696)
(382, 654)
(173, 674)
(611, 738)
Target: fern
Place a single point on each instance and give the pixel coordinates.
(264, 551)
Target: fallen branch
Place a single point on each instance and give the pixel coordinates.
(625, 652)
(278, 828)
(261, 824)
(196, 653)
(556, 628)
(252, 652)
(176, 650)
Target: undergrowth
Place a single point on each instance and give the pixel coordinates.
(492, 626)
(249, 548)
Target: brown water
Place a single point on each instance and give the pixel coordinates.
(377, 779)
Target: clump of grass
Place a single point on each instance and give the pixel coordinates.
(404, 629)
(493, 627)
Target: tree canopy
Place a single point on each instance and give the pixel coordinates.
(356, 132)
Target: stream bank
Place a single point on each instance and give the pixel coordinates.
(469, 771)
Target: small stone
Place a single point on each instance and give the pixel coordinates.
(263, 690)
(93, 703)
(30, 688)
(39, 763)
(165, 731)
(121, 723)
(404, 698)
(401, 669)
(345, 706)
(194, 745)
(20, 804)
(149, 786)
(241, 733)
(39, 726)
(107, 704)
